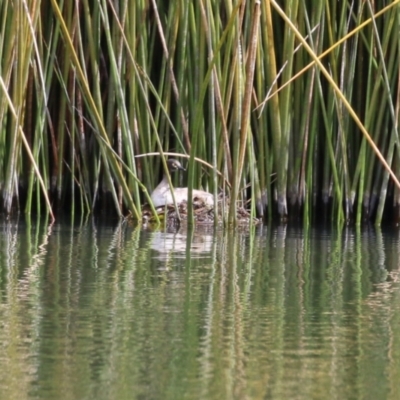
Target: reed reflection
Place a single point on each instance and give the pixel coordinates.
(274, 312)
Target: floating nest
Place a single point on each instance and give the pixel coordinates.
(203, 214)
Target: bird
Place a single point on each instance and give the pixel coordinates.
(161, 195)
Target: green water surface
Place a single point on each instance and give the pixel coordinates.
(112, 311)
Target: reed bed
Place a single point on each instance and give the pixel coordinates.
(294, 104)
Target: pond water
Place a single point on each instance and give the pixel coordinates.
(112, 311)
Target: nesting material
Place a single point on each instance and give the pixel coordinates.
(203, 214)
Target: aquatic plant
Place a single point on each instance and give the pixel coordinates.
(295, 103)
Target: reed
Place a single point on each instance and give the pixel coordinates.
(295, 106)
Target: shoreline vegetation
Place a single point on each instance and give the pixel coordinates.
(289, 108)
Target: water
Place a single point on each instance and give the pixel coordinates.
(92, 311)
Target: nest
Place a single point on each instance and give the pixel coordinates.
(203, 214)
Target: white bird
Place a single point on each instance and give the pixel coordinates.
(162, 196)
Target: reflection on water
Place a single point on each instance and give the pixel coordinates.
(116, 312)
(199, 243)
